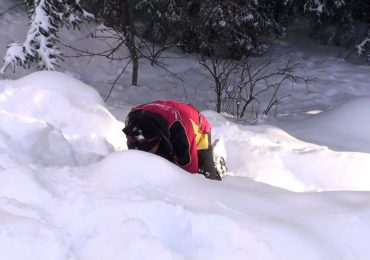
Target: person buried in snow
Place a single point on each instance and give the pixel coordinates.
(175, 131)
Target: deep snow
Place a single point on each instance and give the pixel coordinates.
(69, 189)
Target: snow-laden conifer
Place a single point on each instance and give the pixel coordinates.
(46, 17)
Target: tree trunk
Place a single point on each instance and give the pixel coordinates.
(218, 106)
(135, 70)
(219, 94)
(119, 15)
(131, 44)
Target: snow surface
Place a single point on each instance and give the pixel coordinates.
(70, 189)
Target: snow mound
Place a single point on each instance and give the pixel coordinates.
(348, 122)
(269, 154)
(54, 119)
(120, 209)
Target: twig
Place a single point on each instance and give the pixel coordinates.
(11, 8)
(115, 81)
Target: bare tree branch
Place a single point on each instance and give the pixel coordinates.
(11, 8)
(116, 80)
(240, 84)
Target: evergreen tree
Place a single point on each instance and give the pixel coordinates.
(225, 28)
(46, 17)
(335, 21)
(363, 48)
(230, 28)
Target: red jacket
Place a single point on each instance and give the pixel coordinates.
(189, 131)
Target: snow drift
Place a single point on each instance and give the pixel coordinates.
(52, 119)
(69, 189)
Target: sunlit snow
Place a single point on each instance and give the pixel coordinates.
(69, 188)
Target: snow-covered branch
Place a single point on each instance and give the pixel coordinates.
(364, 47)
(40, 44)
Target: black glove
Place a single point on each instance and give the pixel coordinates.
(210, 175)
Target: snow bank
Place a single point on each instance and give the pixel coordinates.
(344, 128)
(135, 205)
(118, 209)
(268, 154)
(51, 118)
(121, 209)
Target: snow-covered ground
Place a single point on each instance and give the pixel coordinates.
(69, 188)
